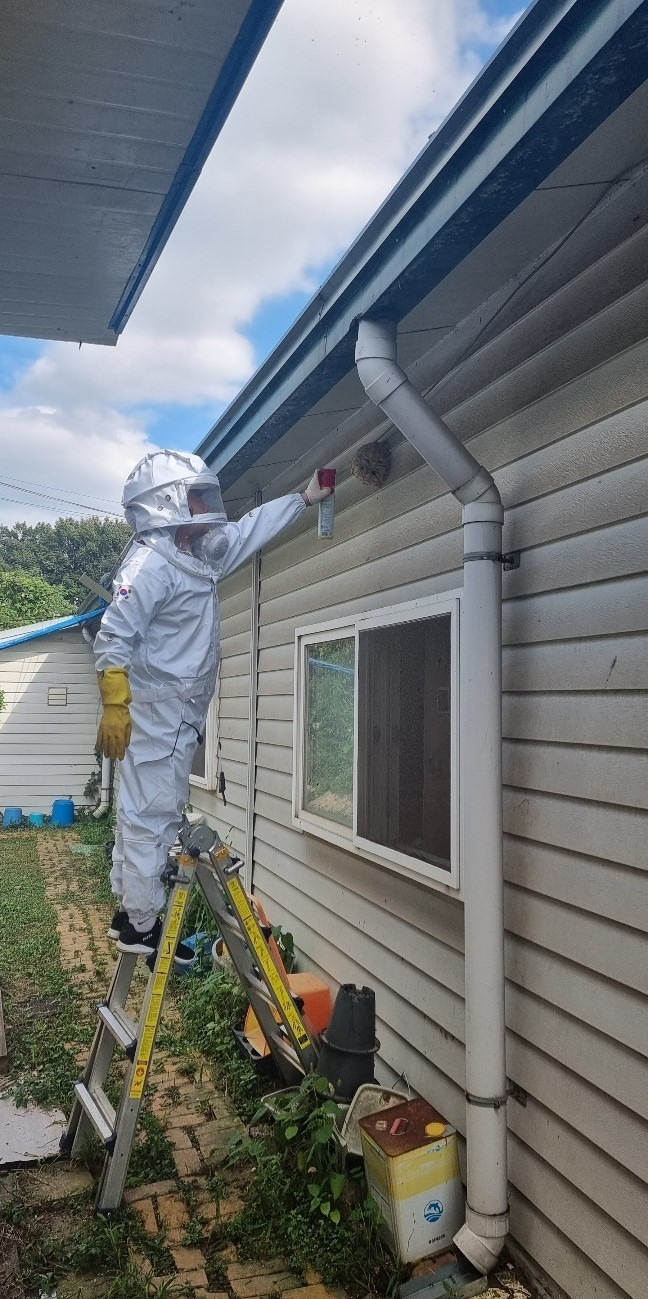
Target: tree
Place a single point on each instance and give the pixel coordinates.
(62, 551)
(26, 598)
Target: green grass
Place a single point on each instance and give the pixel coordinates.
(43, 1012)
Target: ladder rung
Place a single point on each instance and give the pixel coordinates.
(287, 1050)
(99, 1110)
(120, 1027)
(279, 1044)
(250, 982)
(225, 922)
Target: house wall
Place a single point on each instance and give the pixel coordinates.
(46, 751)
(556, 406)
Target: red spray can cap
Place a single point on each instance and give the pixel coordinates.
(326, 478)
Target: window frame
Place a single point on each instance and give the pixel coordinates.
(444, 604)
(209, 780)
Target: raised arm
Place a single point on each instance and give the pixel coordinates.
(263, 524)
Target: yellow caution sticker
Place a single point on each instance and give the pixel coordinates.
(168, 944)
(285, 1003)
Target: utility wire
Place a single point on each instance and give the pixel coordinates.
(53, 509)
(91, 495)
(50, 496)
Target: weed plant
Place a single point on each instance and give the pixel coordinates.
(211, 1008)
(152, 1157)
(299, 1200)
(300, 1196)
(100, 1247)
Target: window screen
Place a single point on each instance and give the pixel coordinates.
(404, 738)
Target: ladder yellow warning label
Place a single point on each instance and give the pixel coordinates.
(281, 993)
(156, 995)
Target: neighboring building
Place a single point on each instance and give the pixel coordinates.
(49, 721)
(514, 256)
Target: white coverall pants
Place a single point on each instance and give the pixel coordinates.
(153, 789)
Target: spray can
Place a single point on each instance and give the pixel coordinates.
(326, 516)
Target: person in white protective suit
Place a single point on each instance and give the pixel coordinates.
(157, 653)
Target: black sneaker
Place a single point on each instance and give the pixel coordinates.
(138, 944)
(118, 923)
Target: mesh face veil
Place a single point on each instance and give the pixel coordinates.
(170, 488)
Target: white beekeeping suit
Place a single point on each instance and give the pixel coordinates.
(157, 654)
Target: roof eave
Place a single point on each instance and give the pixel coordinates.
(565, 67)
(245, 49)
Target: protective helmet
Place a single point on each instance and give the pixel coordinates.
(169, 488)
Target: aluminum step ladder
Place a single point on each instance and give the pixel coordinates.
(205, 859)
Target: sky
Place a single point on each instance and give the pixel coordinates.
(343, 96)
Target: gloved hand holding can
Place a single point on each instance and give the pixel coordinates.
(319, 488)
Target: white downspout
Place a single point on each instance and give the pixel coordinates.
(483, 1234)
(106, 776)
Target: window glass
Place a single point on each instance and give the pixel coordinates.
(328, 753)
(404, 738)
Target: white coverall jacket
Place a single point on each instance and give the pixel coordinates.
(163, 626)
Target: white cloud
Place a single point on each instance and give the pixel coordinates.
(83, 455)
(342, 97)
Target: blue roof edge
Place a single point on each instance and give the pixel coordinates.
(60, 624)
(579, 60)
(245, 48)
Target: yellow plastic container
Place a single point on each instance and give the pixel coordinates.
(412, 1168)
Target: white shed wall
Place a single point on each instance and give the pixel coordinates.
(556, 406)
(47, 751)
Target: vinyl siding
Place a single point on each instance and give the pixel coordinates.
(46, 751)
(555, 403)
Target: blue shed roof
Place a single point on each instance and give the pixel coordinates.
(563, 71)
(20, 635)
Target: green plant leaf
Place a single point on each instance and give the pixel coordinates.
(321, 1085)
(338, 1182)
(291, 1131)
(325, 1207)
(313, 1189)
(334, 1216)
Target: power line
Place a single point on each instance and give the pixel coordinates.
(50, 496)
(54, 509)
(92, 495)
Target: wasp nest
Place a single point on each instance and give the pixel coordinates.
(371, 464)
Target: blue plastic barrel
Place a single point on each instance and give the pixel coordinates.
(12, 816)
(62, 811)
(36, 818)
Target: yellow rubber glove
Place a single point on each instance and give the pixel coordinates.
(113, 736)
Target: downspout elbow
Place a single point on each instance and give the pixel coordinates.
(388, 386)
(482, 1250)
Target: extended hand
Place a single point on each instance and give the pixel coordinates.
(314, 493)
